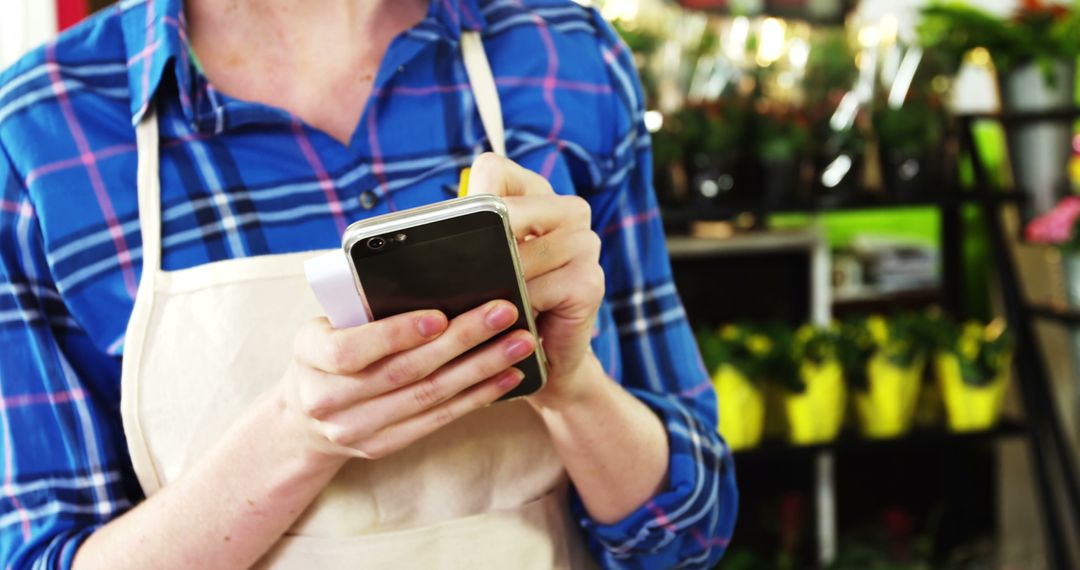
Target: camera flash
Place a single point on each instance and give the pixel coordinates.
(400, 237)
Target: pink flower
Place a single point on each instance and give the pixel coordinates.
(1056, 226)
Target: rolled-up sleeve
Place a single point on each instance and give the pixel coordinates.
(64, 469)
(689, 524)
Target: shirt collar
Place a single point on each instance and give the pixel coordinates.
(155, 37)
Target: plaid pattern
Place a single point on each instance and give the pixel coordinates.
(243, 179)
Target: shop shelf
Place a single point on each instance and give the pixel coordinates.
(850, 440)
(872, 299)
(1060, 313)
(755, 242)
(1065, 114)
(682, 216)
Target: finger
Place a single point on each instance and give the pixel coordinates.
(465, 332)
(576, 289)
(400, 435)
(346, 351)
(324, 394)
(439, 387)
(500, 176)
(554, 250)
(540, 215)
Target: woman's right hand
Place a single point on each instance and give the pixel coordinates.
(372, 390)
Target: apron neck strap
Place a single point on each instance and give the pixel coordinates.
(146, 135)
(483, 87)
(149, 188)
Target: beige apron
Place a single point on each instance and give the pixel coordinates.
(486, 492)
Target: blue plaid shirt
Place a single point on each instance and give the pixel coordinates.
(243, 179)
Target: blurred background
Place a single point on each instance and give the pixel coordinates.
(870, 208)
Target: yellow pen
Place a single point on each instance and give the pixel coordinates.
(463, 183)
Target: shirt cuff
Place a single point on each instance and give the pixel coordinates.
(692, 519)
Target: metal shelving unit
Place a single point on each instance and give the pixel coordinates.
(1053, 462)
(1042, 428)
(848, 441)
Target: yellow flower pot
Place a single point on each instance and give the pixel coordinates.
(742, 408)
(815, 416)
(967, 407)
(887, 409)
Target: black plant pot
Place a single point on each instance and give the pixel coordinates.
(909, 176)
(718, 181)
(780, 183)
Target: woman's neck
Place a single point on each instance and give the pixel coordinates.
(316, 60)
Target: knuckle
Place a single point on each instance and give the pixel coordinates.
(579, 209)
(487, 162)
(471, 334)
(340, 436)
(592, 243)
(402, 370)
(317, 407)
(428, 393)
(338, 352)
(399, 334)
(595, 282)
(443, 416)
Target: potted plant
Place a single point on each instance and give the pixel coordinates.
(973, 375)
(1035, 52)
(930, 332)
(781, 137)
(736, 357)
(813, 393)
(884, 367)
(715, 137)
(911, 138)
(831, 74)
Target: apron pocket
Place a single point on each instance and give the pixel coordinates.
(536, 535)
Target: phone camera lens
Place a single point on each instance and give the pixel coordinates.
(376, 243)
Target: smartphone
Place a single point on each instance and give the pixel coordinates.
(453, 256)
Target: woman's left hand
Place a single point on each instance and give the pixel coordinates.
(560, 256)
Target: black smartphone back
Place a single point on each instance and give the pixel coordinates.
(453, 256)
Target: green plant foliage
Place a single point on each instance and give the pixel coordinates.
(745, 347)
(830, 67)
(1045, 35)
(915, 128)
(856, 345)
(780, 136)
(776, 353)
(641, 41)
(925, 332)
(982, 350)
(809, 344)
(716, 130)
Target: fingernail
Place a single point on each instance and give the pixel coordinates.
(431, 325)
(510, 378)
(500, 316)
(518, 349)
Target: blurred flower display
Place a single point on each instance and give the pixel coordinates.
(878, 362)
(1058, 226)
(764, 112)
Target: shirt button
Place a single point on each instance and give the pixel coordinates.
(367, 199)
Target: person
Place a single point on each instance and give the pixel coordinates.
(171, 397)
